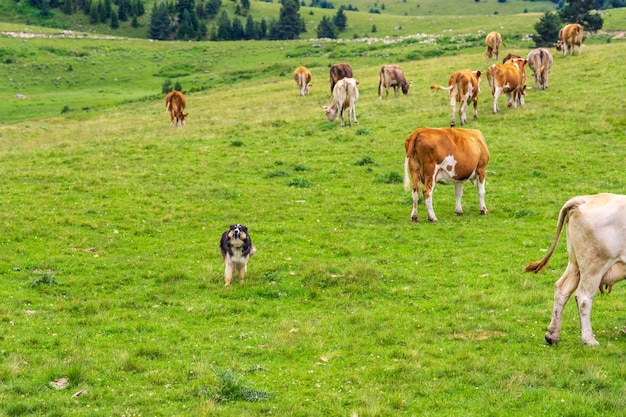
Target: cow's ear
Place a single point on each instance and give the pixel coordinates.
(324, 107)
(477, 73)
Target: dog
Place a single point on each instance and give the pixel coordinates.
(236, 247)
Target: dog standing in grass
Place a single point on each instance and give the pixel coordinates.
(236, 247)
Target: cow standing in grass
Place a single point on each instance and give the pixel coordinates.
(337, 72)
(493, 42)
(570, 36)
(392, 76)
(175, 103)
(345, 95)
(540, 61)
(508, 79)
(303, 78)
(445, 156)
(596, 251)
(463, 89)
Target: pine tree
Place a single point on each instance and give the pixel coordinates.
(326, 29)
(340, 20)
(547, 29)
(289, 23)
(115, 23)
(160, 25)
(94, 17)
(249, 29)
(238, 32)
(213, 7)
(579, 11)
(224, 28)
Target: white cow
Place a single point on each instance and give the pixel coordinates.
(596, 248)
(345, 94)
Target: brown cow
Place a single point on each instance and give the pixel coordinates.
(596, 251)
(509, 79)
(337, 72)
(392, 76)
(345, 94)
(175, 103)
(569, 36)
(303, 78)
(446, 156)
(540, 61)
(493, 41)
(463, 89)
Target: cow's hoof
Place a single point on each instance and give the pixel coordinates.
(458, 213)
(484, 212)
(414, 219)
(551, 340)
(452, 124)
(433, 219)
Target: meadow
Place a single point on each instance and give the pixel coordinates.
(112, 282)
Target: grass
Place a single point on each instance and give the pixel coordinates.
(348, 308)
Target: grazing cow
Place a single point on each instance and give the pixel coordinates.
(337, 72)
(569, 36)
(303, 78)
(392, 76)
(175, 103)
(596, 251)
(493, 41)
(345, 94)
(540, 61)
(507, 78)
(446, 156)
(463, 89)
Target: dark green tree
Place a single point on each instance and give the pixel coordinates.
(212, 7)
(94, 17)
(326, 29)
(134, 22)
(115, 23)
(290, 24)
(579, 11)
(102, 14)
(238, 32)
(245, 4)
(547, 29)
(224, 28)
(340, 20)
(160, 24)
(186, 30)
(249, 29)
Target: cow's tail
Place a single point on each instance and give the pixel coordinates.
(407, 177)
(409, 146)
(438, 87)
(567, 207)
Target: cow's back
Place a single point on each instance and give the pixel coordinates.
(338, 72)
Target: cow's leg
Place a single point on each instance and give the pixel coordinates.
(412, 170)
(395, 90)
(590, 281)
(458, 194)
(452, 111)
(429, 186)
(481, 194)
(341, 109)
(496, 93)
(476, 108)
(353, 112)
(463, 112)
(563, 289)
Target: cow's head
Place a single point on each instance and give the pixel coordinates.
(559, 45)
(405, 87)
(331, 112)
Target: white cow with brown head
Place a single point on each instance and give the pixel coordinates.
(596, 249)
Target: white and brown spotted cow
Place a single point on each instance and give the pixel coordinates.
(175, 103)
(596, 251)
(303, 78)
(345, 95)
(540, 61)
(493, 40)
(392, 76)
(509, 79)
(463, 87)
(337, 72)
(445, 156)
(570, 36)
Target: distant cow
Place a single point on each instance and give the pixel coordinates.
(596, 250)
(303, 78)
(337, 72)
(463, 89)
(493, 41)
(540, 61)
(345, 95)
(569, 36)
(175, 103)
(446, 156)
(392, 76)
(508, 79)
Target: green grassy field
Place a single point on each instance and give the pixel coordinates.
(109, 253)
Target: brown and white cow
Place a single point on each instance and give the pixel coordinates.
(303, 78)
(445, 156)
(337, 72)
(493, 42)
(175, 103)
(463, 87)
(596, 251)
(509, 79)
(570, 36)
(540, 61)
(345, 95)
(392, 76)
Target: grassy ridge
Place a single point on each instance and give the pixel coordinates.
(348, 308)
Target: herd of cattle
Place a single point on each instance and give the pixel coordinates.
(595, 224)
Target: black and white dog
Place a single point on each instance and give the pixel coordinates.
(237, 249)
